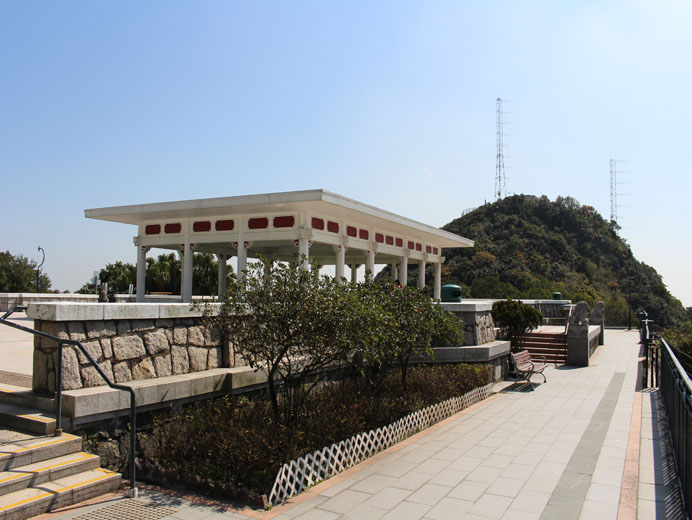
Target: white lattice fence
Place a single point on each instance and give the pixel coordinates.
(299, 474)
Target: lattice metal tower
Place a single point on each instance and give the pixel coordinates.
(500, 183)
(613, 191)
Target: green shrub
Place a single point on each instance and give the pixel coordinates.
(516, 318)
(233, 443)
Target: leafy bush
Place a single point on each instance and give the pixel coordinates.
(235, 443)
(516, 318)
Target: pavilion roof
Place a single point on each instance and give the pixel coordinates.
(319, 201)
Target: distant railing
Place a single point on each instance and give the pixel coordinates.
(58, 392)
(664, 370)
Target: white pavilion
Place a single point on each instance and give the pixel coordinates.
(310, 224)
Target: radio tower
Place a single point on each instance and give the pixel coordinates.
(500, 184)
(613, 191)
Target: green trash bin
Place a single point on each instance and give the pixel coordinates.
(451, 293)
(557, 296)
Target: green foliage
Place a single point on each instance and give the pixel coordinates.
(516, 318)
(18, 274)
(163, 275)
(186, 444)
(296, 326)
(528, 247)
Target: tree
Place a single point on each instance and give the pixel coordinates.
(163, 274)
(516, 318)
(291, 323)
(18, 274)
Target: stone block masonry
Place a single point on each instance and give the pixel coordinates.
(128, 343)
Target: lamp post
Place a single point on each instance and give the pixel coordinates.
(38, 269)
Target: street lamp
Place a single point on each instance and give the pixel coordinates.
(38, 269)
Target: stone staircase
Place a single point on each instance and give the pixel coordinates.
(552, 346)
(39, 471)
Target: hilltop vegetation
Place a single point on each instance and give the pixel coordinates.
(529, 247)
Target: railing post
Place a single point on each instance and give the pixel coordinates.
(133, 446)
(58, 394)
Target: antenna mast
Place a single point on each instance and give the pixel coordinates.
(500, 183)
(613, 191)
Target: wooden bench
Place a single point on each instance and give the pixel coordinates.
(525, 367)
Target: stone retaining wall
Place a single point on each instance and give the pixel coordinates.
(125, 349)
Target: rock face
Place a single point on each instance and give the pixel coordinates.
(126, 350)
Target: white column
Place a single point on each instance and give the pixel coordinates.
(370, 265)
(340, 260)
(304, 252)
(394, 270)
(403, 270)
(421, 274)
(241, 246)
(354, 273)
(186, 282)
(438, 281)
(223, 271)
(141, 272)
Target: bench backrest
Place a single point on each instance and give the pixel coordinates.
(521, 357)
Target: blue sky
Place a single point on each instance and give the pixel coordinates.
(389, 102)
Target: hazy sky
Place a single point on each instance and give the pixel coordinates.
(390, 103)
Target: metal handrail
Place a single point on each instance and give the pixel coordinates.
(58, 392)
(571, 310)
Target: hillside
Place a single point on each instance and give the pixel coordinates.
(529, 246)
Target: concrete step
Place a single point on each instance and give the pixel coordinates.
(52, 469)
(15, 455)
(20, 396)
(26, 419)
(58, 493)
(544, 337)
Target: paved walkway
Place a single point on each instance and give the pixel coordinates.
(586, 445)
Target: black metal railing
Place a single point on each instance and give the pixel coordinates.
(664, 370)
(58, 392)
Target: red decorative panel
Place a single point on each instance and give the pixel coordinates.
(428, 249)
(152, 229)
(224, 225)
(317, 223)
(332, 227)
(399, 242)
(351, 231)
(419, 247)
(411, 245)
(258, 223)
(201, 226)
(379, 237)
(435, 250)
(363, 234)
(390, 240)
(280, 222)
(172, 228)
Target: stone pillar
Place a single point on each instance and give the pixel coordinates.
(304, 252)
(403, 270)
(186, 279)
(354, 273)
(438, 281)
(340, 261)
(421, 274)
(370, 265)
(223, 271)
(241, 246)
(394, 270)
(141, 272)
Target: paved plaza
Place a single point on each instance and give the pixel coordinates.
(585, 445)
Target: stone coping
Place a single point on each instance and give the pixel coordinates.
(97, 403)
(471, 305)
(68, 311)
(467, 354)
